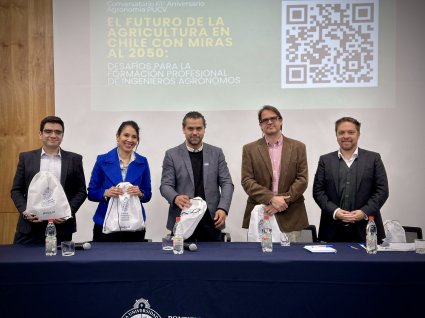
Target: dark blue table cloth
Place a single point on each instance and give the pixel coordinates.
(218, 280)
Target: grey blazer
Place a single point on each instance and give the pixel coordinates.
(72, 181)
(177, 178)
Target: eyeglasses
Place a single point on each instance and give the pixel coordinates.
(51, 131)
(270, 119)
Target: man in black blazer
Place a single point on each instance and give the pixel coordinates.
(350, 185)
(66, 166)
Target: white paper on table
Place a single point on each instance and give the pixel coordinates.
(320, 249)
(397, 247)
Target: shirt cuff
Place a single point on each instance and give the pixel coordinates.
(334, 214)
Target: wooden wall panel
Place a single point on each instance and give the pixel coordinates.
(26, 90)
(8, 224)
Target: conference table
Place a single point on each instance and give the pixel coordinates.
(218, 280)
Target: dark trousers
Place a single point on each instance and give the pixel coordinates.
(347, 232)
(99, 236)
(205, 231)
(38, 238)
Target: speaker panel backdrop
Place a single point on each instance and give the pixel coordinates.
(316, 61)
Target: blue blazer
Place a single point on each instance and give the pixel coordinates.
(107, 173)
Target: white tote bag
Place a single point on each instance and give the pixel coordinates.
(394, 233)
(256, 225)
(124, 213)
(190, 217)
(46, 198)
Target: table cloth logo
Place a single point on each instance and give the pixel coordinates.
(141, 308)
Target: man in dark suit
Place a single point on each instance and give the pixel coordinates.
(197, 169)
(66, 166)
(275, 173)
(350, 184)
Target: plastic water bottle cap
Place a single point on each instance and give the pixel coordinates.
(266, 217)
(371, 218)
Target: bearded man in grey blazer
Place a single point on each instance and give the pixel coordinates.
(66, 166)
(275, 173)
(197, 169)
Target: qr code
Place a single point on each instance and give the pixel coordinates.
(329, 43)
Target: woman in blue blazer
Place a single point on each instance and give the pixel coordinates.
(121, 164)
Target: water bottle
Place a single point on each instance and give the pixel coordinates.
(266, 235)
(178, 237)
(51, 241)
(371, 237)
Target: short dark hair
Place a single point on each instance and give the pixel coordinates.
(270, 108)
(51, 119)
(347, 119)
(129, 123)
(194, 115)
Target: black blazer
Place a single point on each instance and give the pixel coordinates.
(371, 194)
(72, 180)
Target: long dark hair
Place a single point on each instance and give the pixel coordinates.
(132, 124)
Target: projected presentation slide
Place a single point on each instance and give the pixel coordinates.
(235, 55)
